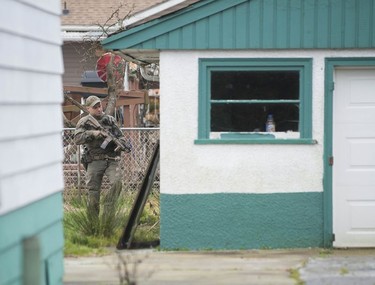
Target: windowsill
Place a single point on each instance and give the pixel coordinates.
(255, 135)
(255, 141)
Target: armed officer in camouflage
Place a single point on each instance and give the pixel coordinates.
(103, 142)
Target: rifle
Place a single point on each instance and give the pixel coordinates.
(108, 136)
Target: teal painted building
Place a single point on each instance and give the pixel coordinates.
(228, 181)
(31, 178)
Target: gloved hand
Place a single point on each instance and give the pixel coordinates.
(112, 120)
(127, 145)
(108, 120)
(94, 133)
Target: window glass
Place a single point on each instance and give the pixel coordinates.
(252, 117)
(231, 112)
(255, 85)
(237, 96)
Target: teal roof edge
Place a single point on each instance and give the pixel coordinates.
(169, 22)
(256, 24)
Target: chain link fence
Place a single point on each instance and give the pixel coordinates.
(132, 165)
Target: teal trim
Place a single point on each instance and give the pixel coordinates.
(330, 65)
(11, 264)
(40, 221)
(54, 263)
(185, 20)
(250, 139)
(207, 65)
(204, 101)
(241, 221)
(246, 136)
(255, 101)
(256, 24)
(31, 257)
(306, 104)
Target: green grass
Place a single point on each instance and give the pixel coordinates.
(294, 274)
(85, 236)
(344, 271)
(74, 249)
(325, 252)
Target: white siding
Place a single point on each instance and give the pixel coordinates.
(187, 168)
(29, 18)
(30, 102)
(44, 5)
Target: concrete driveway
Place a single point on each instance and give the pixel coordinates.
(276, 267)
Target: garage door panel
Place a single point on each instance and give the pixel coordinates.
(356, 163)
(360, 211)
(356, 130)
(362, 91)
(361, 152)
(351, 193)
(353, 172)
(362, 115)
(354, 178)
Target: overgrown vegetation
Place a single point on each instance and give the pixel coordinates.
(325, 252)
(294, 274)
(87, 235)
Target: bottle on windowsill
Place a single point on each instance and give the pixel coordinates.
(270, 124)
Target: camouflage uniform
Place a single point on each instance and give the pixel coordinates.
(100, 161)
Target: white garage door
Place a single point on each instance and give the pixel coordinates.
(354, 158)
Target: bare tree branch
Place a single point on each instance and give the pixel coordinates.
(74, 102)
(119, 20)
(95, 50)
(67, 123)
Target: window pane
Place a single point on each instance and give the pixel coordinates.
(261, 85)
(252, 117)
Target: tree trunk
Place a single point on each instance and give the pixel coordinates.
(111, 82)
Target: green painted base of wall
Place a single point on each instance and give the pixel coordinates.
(31, 243)
(241, 221)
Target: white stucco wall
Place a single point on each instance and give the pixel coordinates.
(187, 168)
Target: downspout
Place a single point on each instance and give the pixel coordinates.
(126, 76)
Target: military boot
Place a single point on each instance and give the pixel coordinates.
(109, 208)
(93, 208)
